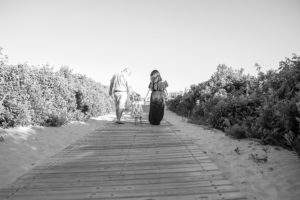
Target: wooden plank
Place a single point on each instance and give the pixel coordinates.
(146, 193)
(114, 180)
(95, 181)
(132, 188)
(210, 196)
(70, 167)
(115, 175)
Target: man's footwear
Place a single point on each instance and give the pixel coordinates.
(119, 122)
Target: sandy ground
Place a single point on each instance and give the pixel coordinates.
(260, 172)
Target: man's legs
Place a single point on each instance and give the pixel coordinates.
(117, 106)
(120, 98)
(119, 113)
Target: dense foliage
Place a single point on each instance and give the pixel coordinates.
(266, 106)
(42, 96)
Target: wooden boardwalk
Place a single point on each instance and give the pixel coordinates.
(128, 162)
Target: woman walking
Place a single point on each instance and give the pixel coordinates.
(157, 99)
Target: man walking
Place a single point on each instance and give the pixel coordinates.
(120, 88)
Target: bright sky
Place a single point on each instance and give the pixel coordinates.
(184, 39)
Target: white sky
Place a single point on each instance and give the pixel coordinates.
(184, 39)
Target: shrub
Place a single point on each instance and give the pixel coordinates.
(45, 97)
(236, 131)
(55, 120)
(265, 106)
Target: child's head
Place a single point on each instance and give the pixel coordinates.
(137, 97)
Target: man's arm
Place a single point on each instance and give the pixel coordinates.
(112, 81)
(129, 86)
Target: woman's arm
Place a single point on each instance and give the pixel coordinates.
(147, 95)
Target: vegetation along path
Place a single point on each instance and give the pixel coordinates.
(127, 161)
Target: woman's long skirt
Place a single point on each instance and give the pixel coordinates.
(157, 107)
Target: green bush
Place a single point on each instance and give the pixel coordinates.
(55, 120)
(31, 95)
(265, 106)
(236, 131)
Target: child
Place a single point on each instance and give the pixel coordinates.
(136, 109)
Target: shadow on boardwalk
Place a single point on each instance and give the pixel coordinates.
(127, 161)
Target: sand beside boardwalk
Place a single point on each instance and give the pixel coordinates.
(276, 179)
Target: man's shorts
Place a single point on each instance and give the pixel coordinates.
(120, 99)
